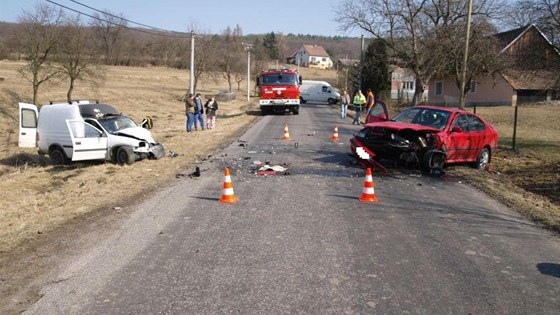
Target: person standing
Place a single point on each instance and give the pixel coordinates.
(359, 101)
(211, 108)
(198, 112)
(345, 100)
(189, 111)
(370, 101)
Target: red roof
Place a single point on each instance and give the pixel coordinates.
(314, 50)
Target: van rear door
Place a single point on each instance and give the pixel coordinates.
(88, 142)
(28, 115)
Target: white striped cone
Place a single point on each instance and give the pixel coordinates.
(335, 134)
(368, 193)
(227, 193)
(286, 133)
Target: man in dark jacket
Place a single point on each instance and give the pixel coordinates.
(198, 112)
(189, 111)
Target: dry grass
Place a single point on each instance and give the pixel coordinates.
(38, 197)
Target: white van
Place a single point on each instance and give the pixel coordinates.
(85, 131)
(318, 91)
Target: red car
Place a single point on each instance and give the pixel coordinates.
(427, 136)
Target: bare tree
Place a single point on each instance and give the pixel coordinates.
(408, 27)
(108, 31)
(75, 59)
(231, 53)
(39, 39)
(484, 53)
(544, 13)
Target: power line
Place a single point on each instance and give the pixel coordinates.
(113, 23)
(124, 19)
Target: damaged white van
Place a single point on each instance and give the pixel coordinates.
(85, 131)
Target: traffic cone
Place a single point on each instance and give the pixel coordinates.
(335, 134)
(286, 133)
(368, 194)
(227, 194)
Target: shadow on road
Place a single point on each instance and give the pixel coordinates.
(549, 269)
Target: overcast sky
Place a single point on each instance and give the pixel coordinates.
(314, 17)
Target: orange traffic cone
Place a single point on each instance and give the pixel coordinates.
(286, 133)
(335, 134)
(227, 194)
(368, 194)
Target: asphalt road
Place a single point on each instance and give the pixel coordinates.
(301, 243)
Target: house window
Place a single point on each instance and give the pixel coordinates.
(324, 59)
(408, 85)
(439, 88)
(472, 87)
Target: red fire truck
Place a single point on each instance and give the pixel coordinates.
(279, 90)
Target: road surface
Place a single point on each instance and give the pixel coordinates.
(300, 242)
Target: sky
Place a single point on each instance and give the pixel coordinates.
(314, 17)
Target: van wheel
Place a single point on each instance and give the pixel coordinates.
(295, 111)
(57, 155)
(125, 155)
(331, 101)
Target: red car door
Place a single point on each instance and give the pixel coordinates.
(458, 144)
(378, 113)
(477, 136)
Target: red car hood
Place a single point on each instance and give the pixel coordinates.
(401, 126)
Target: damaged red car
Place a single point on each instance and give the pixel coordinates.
(426, 136)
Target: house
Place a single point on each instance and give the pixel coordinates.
(532, 78)
(403, 84)
(311, 56)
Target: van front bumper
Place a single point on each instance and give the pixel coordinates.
(157, 151)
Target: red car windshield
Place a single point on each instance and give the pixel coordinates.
(424, 116)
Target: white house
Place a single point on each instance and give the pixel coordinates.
(311, 56)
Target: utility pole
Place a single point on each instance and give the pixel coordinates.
(462, 97)
(361, 64)
(191, 89)
(248, 48)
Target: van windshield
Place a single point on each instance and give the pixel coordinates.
(115, 123)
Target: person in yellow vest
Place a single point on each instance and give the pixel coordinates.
(359, 101)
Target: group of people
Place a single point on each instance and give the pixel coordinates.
(360, 102)
(195, 112)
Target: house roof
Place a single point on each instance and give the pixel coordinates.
(508, 38)
(314, 50)
(532, 79)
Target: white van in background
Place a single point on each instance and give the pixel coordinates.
(85, 131)
(318, 91)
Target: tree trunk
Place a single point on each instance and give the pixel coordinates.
(70, 90)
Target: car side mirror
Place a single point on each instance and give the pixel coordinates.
(300, 80)
(456, 129)
(147, 123)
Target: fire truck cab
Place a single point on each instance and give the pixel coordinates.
(279, 91)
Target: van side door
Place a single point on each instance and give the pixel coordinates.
(88, 142)
(28, 115)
